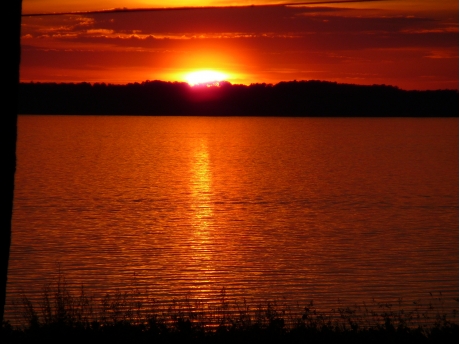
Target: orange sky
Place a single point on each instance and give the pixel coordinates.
(409, 44)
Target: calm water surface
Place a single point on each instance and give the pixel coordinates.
(287, 209)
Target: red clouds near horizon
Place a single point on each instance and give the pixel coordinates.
(349, 44)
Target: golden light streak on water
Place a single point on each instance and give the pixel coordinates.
(202, 217)
(200, 185)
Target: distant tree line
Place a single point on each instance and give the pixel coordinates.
(294, 98)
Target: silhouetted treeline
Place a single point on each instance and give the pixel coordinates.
(295, 98)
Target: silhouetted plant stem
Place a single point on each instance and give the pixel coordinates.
(8, 134)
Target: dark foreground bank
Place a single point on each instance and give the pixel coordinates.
(64, 315)
(295, 98)
(185, 333)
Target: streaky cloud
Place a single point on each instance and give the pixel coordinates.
(182, 8)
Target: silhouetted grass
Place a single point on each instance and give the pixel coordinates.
(62, 316)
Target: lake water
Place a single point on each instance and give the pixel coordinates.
(335, 210)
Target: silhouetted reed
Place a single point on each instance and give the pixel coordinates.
(132, 316)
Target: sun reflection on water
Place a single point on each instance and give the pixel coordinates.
(202, 216)
(200, 185)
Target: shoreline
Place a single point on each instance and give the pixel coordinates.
(286, 99)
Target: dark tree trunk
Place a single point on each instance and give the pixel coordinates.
(8, 134)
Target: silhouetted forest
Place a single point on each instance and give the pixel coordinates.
(294, 98)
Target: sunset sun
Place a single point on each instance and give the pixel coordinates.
(204, 76)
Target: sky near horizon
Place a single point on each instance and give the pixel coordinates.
(411, 44)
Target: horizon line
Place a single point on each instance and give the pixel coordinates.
(215, 83)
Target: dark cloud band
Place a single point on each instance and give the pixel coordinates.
(158, 9)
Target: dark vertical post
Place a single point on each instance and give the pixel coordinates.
(8, 133)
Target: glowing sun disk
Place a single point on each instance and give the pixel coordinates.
(204, 76)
